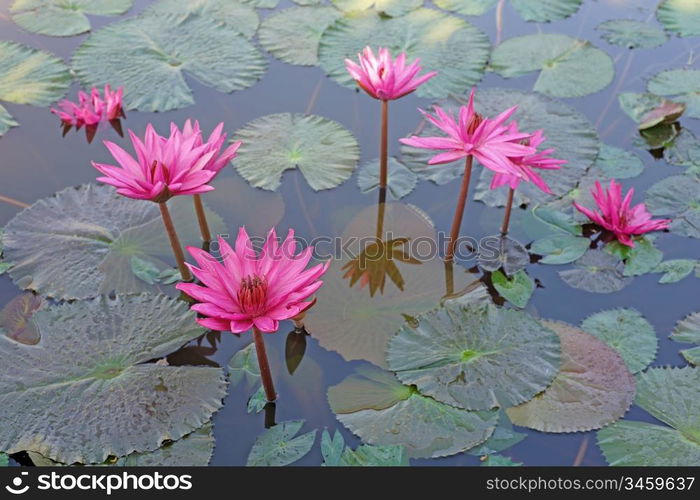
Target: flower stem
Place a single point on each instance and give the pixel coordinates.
(384, 146)
(202, 219)
(265, 373)
(459, 211)
(449, 278)
(381, 210)
(506, 217)
(174, 242)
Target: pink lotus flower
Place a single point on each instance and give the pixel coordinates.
(384, 78)
(91, 109)
(247, 290)
(616, 215)
(525, 165)
(488, 140)
(181, 164)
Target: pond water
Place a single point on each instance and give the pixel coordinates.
(38, 161)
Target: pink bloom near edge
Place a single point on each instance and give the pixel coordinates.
(246, 290)
(91, 109)
(385, 78)
(181, 164)
(616, 215)
(488, 140)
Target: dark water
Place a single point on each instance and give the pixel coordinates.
(35, 161)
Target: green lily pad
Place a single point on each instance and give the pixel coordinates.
(335, 454)
(16, 318)
(4, 460)
(643, 258)
(443, 42)
(540, 11)
(87, 391)
(476, 357)
(502, 252)
(568, 67)
(557, 220)
(680, 16)
(632, 34)
(560, 248)
(677, 197)
(278, 446)
(62, 18)
(592, 389)
(675, 269)
(617, 163)
(382, 411)
(649, 110)
(292, 35)
(500, 461)
(150, 55)
(597, 272)
(670, 395)
(244, 366)
(262, 4)
(517, 290)
(257, 401)
(687, 331)
(193, 450)
(393, 8)
(682, 84)
(467, 7)
(626, 331)
(684, 150)
(400, 180)
(323, 150)
(79, 242)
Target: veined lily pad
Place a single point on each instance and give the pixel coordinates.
(193, 450)
(680, 16)
(244, 366)
(29, 76)
(517, 289)
(323, 150)
(560, 248)
(382, 411)
(684, 150)
(617, 163)
(597, 272)
(467, 7)
(79, 243)
(61, 17)
(568, 67)
(400, 180)
(278, 446)
(675, 269)
(476, 357)
(531, 10)
(687, 331)
(150, 55)
(442, 42)
(592, 389)
(626, 331)
(682, 84)
(650, 110)
(632, 34)
(496, 252)
(672, 396)
(643, 258)
(393, 8)
(87, 390)
(335, 454)
(679, 198)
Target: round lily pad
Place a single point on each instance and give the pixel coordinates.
(597, 272)
(687, 331)
(476, 357)
(560, 248)
(502, 252)
(592, 389)
(677, 197)
(87, 390)
(150, 55)
(61, 18)
(516, 289)
(374, 405)
(466, 7)
(400, 180)
(632, 34)
(626, 331)
(530, 10)
(292, 35)
(675, 269)
(568, 67)
(393, 8)
(278, 446)
(617, 163)
(683, 150)
(680, 16)
(323, 150)
(682, 84)
(444, 43)
(79, 243)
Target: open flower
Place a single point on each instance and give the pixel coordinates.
(91, 109)
(246, 289)
(164, 167)
(385, 78)
(214, 143)
(488, 140)
(616, 215)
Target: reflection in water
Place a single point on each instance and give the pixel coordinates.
(294, 348)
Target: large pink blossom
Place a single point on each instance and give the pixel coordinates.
(164, 167)
(616, 216)
(385, 78)
(91, 109)
(487, 140)
(246, 289)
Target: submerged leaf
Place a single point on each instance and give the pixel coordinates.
(598, 272)
(517, 290)
(257, 401)
(278, 445)
(244, 366)
(632, 34)
(687, 331)
(62, 18)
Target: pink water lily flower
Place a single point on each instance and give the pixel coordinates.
(526, 165)
(181, 164)
(616, 215)
(214, 143)
(247, 290)
(385, 78)
(91, 109)
(487, 140)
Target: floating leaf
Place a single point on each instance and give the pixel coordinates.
(476, 357)
(516, 290)
(626, 331)
(560, 248)
(643, 258)
(145, 270)
(687, 331)
(257, 401)
(650, 110)
(87, 390)
(193, 450)
(670, 395)
(79, 242)
(62, 18)
(393, 8)
(263, 4)
(675, 269)
(466, 7)
(592, 389)
(16, 318)
(382, 411)
(244, 365)
(496, 252)
(500, 461)
(632, 34)
(448, 43)
(503, 437)
(680, 16)
(4, 460)
(678, 197)
(596, 272)
(323, 150)
(335, 454)
(684, 150)
(682, 84)
(150, 55)
(332, 449)
(400, 180)
(557, 219)
(617, 163)
(568, 67)
(531, 10)
(278, 445)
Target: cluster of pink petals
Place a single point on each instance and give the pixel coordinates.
(617, 216)
(488, 140)
(246, 289)
(525, 165)
(385, 78)
(91, 109)
(181, 164)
